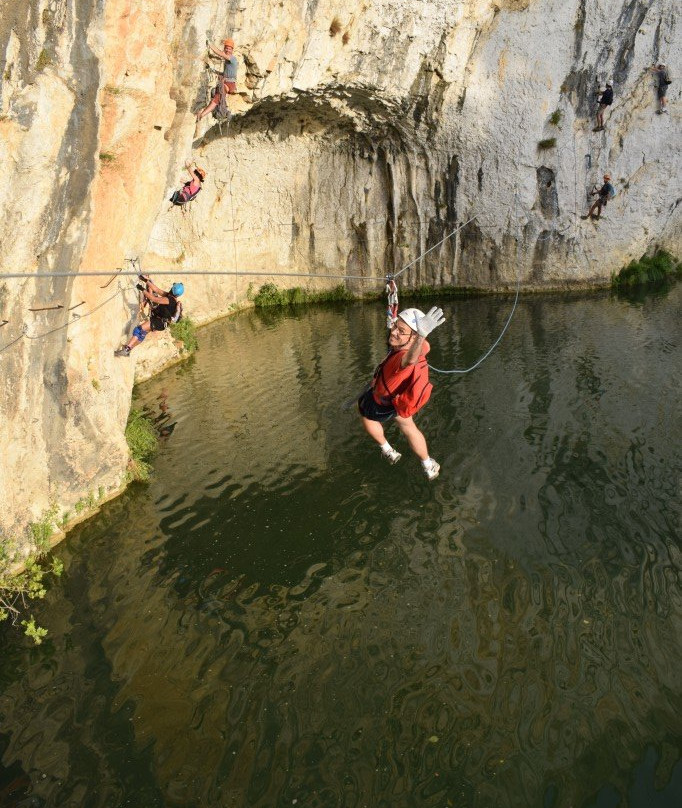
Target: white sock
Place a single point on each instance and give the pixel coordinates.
(426, 463)
(386, 447)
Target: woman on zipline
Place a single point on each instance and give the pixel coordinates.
(401, 386)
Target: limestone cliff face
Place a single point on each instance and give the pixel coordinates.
(361, 136)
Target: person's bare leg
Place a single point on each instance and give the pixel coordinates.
(414, 437)
(374, 429)
(133, 341)
(206, 110)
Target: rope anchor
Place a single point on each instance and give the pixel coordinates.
(49, 308)
(392, 307)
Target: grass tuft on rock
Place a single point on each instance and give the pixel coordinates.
(142, 443)
(186, 332)
(547, 143)
(650, 269)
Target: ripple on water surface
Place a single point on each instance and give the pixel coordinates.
(278, 618)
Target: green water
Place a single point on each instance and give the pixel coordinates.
(279, 618)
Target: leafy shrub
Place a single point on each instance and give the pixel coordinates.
(142, 442)
(185, 331)
(44, 528)
(649, 269)
(18, 587)
(271, 295)
(555, 117)
(547, 143)
(268, 295)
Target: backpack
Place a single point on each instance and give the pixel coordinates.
(183, 196)
(665, 77)
(178, 314)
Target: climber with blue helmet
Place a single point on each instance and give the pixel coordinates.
(165, 308)
(401, 386)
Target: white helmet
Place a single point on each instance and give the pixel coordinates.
(411, 317)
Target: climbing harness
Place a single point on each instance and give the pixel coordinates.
(222, 111)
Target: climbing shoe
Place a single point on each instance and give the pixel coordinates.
(124, 351)
(392, 456)
(431, 468)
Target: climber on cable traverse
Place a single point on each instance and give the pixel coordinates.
(190, 189)
(605, 100)
(660, 71)
(165, 309)
(227, 85)
(401, 386)
(603, 194)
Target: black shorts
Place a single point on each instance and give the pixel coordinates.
(371, 410)
(158, 323)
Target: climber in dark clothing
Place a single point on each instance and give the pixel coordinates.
(603, 194)
(605, 100)
(662, 82)
(165, 309)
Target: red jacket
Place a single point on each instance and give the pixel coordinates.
(406, 388)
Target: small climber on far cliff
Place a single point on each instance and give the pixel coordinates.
(603, 194)
(660, 71)
(192, 187)
(165, 309)
(227, 85)
(605, 100)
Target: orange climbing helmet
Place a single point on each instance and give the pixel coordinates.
(200, 173)
(228, 43)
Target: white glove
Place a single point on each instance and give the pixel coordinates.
(432, 319)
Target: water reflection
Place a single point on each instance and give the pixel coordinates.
(280, 619)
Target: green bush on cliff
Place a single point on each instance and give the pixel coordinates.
(649, 269)
(186, 332)
(44, 528)
(16, 588)
(271, 295)
(142, 442)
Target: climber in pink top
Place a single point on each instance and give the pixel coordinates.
(190, 189)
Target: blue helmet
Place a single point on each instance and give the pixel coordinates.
(177, 289)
